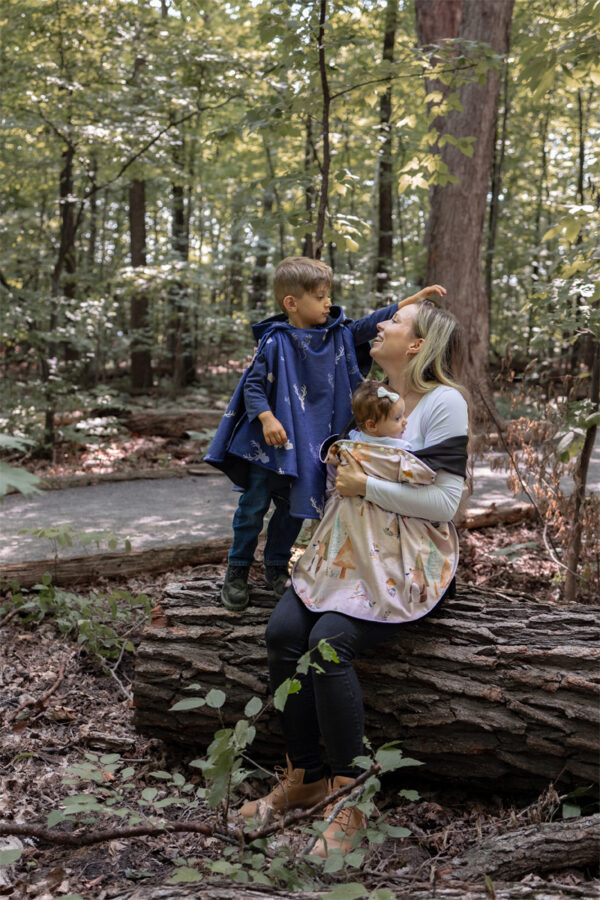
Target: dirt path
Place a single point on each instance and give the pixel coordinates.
(158, 513)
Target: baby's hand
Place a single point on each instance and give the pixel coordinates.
(273, 431)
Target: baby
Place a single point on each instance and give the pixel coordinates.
(379, 413)
(363, 560)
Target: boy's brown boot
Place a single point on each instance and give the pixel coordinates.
(339, 833)
(290, 792)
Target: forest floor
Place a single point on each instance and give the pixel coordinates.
(60, 703)
(63, 705)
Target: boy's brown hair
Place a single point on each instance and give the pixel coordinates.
(367, 405)
(298, 274)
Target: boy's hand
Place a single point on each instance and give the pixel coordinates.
(273, 431)
(431, 289)
(422, 295)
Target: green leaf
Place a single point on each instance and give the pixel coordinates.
(287, 687)
(350, 891)
(185, 875)
(8, 857)
(570, 811)
(570, 444)
(355, 858)
(149, 794)
(327, 651)
(14, 443)
(21, 479)
(396, 831)
(55, 817)
(190, 703)
(390, 759)
(216, 698)
(382, 894)
(253, 707)
(409, 795)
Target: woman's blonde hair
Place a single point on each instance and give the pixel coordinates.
(441, 357)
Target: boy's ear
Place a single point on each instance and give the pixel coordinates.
(289, 303)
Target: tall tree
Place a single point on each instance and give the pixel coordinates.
(326, 104)
(140, 353)
(385, 179)
(457, 211)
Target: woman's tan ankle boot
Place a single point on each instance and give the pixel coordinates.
(339, 833)
(290, 792)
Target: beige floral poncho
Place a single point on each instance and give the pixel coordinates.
(372, 564)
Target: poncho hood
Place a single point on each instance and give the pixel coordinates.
(281, 322)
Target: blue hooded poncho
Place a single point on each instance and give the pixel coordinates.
(306, 377)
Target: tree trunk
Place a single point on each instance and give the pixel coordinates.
(489, 688)
(65, 261)
(309, 190)
(183, 367)
(172, 424)
(499, 144)
(385, 226)
(580, 480)
(326, 102)
(258, 290)
(457, 214)
(140, 353)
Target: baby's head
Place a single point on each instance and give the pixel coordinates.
(378, 410)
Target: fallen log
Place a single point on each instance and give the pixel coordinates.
(403, 889)
(540, 848)
(485, 516)
(79, 570)
(490, 689)
(172, 424)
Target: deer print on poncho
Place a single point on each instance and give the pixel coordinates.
(372, 564)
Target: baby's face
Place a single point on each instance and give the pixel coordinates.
(395, 423)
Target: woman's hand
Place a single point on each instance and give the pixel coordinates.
(351, 481)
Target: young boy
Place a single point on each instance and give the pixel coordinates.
(296, 392)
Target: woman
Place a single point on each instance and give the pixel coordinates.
(419, 350)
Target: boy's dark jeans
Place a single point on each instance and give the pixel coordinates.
(282, 529)
(329, 703)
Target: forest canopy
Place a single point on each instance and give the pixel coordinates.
(160, 157)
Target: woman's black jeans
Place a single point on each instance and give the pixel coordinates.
(329, 703)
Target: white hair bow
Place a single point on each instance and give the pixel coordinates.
(391, 395)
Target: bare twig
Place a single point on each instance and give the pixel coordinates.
(8, 617)
(548, 542)
(39, 703)
(82, 838)
(85, 839)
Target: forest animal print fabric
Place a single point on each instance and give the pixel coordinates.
(372, 564)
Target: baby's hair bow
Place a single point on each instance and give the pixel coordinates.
(391, 395)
